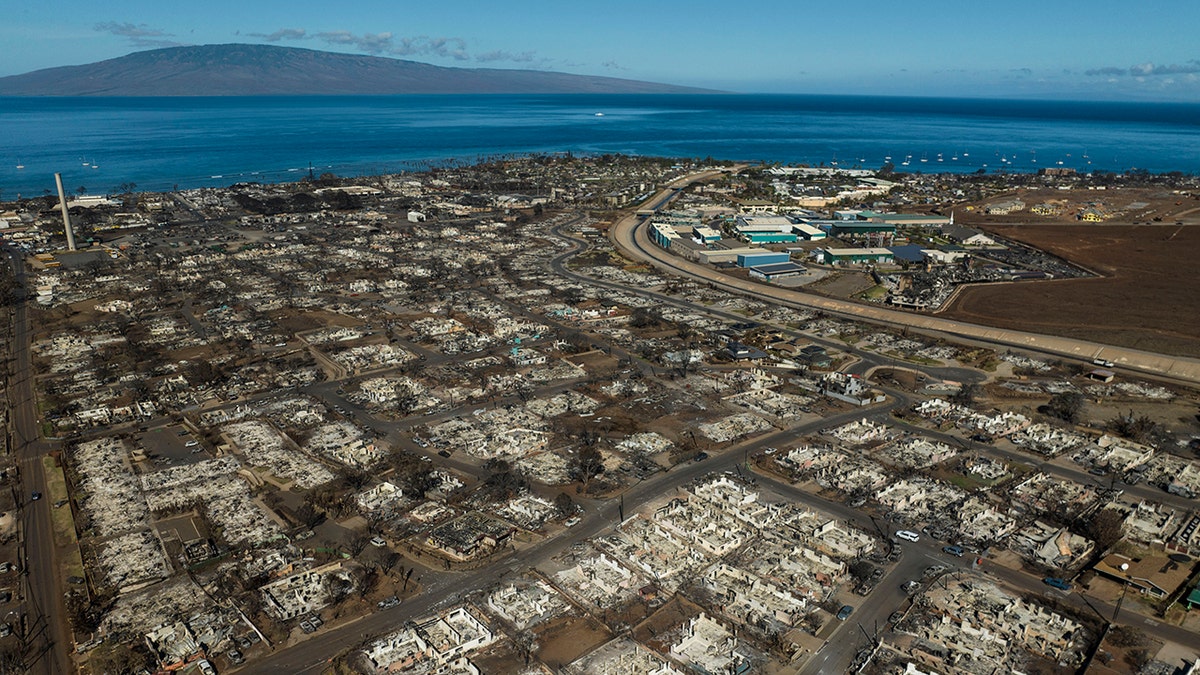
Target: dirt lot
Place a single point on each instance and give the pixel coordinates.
(843, 284)
(1126, 204)
(657, 631)
(1148, 298)
(566, 640)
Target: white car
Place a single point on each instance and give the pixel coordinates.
(908, 535)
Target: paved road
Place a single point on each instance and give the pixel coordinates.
(630, 236)
(46, 639)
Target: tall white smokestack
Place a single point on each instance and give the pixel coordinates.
(62, 201)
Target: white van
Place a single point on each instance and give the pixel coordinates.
(908, 535)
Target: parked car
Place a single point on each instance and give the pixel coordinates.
(908, 535)
(700, 457)
(910, 586)
(235, 657)
(895, 617)
(953, 550)
(1055, 582)
(206, 668)
(845, 612)
(387, 603)
(35, 496)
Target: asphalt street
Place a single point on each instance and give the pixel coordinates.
(45, 640)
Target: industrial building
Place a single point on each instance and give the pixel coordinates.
(853, 256)
(718, 255)
(662, 234)
(765, 229)
(808, 232)
(770, 237)
(903, 219)
(858, 228)
(777, 271)
(760, 257)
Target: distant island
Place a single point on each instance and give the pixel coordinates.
(264, 70)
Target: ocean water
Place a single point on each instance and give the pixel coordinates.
(161, 143)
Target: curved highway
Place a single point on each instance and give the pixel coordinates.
(630, 236)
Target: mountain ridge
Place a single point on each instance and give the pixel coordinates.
(266, 70)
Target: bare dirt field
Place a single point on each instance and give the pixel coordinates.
(566, 640)
(842, 284)
(502, 657)
(1148, 298)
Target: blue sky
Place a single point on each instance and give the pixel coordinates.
(1046, 49)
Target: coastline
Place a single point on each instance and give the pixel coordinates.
(161, 143)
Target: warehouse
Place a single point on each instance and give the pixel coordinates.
(761, 257)
(842, 256)
(687, 248)
(755, 237)
(770, 223)
(706, 235)
(662, 235)
(777, 271)
(808, 232)
(904, 219)
(860, 228)
(765, 229)
(722, 255)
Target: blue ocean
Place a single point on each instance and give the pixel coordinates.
(162, 143)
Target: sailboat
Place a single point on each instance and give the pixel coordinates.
(20, 165)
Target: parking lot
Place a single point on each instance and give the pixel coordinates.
(173, 445)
